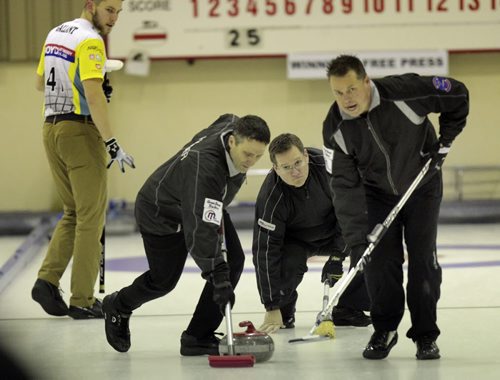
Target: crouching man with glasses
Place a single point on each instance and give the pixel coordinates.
(294, 220)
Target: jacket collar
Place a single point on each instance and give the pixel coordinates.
(230, 165)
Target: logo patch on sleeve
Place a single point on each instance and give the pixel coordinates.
(442, 84)
(328, 155)
(212, 211)
(268, 226)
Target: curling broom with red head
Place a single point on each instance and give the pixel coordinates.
(230, 359)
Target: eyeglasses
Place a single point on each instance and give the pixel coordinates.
(296, 165)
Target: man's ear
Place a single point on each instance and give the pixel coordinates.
(89, 6)
(231, 141)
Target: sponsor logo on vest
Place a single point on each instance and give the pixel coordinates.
(442, 84)
(212, 211)
(60, 51)
(266, 225)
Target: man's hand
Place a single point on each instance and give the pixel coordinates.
(332, 270)
(273, 321)
(223, 290)
(438, 153)
(118, 154)
(223, 293)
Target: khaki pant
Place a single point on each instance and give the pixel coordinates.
(77, 159)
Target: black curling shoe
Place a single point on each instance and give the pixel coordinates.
(380, 344)
(427, 349)
(49, 298)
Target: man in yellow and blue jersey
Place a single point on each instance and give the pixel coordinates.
(76, 135)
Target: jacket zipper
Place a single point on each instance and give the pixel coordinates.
(387, 160)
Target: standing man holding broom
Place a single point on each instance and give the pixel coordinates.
(377, 138)
(179, 210)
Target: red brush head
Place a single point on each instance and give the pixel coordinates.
(231, 361)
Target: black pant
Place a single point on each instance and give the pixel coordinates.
(417, 225)
(293, 267)
(166, 257)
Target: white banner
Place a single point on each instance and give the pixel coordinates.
(215, 28)
(377, 64)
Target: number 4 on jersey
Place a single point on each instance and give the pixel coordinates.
(51, 80)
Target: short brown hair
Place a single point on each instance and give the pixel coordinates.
(341, 65)
(283, 143)
(251, 127)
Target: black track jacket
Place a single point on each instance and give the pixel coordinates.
(384, 148)
(303, 215)
(189, 192)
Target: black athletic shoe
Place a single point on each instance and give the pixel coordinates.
(380, 344)
(427, 349)
(92, 312)
(348, 317)
(289, 322)
(192, 346)
(49, 297)
(116, 324)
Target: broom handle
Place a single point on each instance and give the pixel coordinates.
(374, 237)
(326, 295)
(102, 260)
(229, 328)
(227, 310)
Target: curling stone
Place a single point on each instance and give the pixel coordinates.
(250, 342)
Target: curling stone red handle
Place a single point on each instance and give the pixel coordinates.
(249, 325)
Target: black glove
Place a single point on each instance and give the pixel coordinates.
(223, 290)
(332, 270)
(438, 154)
(107, 88)
(356, 254)
(118, 154)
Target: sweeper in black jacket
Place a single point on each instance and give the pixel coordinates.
(377, 137)
(180, 209)
(294, 220)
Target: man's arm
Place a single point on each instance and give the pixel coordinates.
(346, 186)
(446, 96)
(203, 185)
(98, 106)
(39, 80)
(96, 100)
(268, 236)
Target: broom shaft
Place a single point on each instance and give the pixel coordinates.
(102, 261)
(227, 310)
(229, 328)
(374, 237)
(326, 295)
